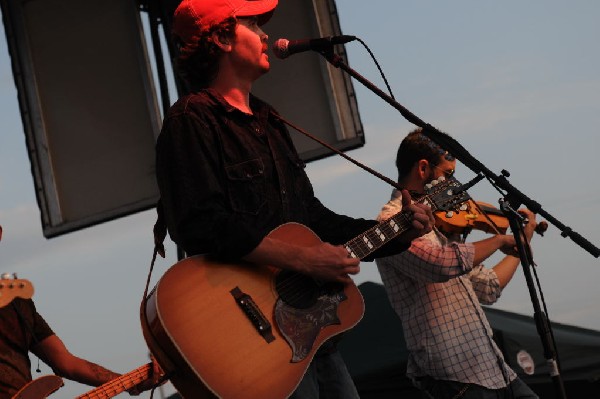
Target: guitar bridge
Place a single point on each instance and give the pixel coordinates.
(254, 314)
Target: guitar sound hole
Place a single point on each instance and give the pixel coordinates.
(296, 290)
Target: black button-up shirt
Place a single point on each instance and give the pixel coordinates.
(228, 178)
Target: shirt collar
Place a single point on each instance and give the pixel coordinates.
(259, 108)
(396, 193)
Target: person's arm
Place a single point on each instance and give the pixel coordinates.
(53, 352)
(327, 225)
(427, 260)
(323, 261)
(485, 248)
(489, 283)
(506, 268)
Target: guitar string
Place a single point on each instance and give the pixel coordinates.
(112, 388)
(290, 283)
(120, 383)
(362, 249)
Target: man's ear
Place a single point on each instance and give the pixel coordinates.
(422, 167)
(222, 41)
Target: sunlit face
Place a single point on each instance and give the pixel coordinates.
(249, 48)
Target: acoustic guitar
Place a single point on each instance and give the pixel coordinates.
(42, 387)
(240, 330)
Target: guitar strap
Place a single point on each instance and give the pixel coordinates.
(160, 233)
(160, 230)
(340, 153)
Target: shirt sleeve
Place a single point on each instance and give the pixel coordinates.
(486, 284)
(42, 329)
(339, 229)
(429, 259)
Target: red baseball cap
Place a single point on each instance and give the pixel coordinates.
(194, 16)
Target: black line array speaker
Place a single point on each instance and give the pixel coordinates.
(89, 107)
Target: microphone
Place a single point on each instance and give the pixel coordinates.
(283, 48)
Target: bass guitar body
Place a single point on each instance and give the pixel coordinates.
(40, 388)
(236, 330)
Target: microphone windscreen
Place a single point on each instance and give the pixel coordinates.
(280, 48)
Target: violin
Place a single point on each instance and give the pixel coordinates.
(477, 215)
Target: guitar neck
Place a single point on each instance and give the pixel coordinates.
(382, 233)
(118, 385)
(377, 236)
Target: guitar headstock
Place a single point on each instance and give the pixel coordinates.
(443, 194)
(12, 287)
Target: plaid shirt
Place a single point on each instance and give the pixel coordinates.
(437, 292)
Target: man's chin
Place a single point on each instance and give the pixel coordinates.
(265, 68)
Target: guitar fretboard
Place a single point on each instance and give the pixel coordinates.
(385, 231)
(378, 235)
(118, 385)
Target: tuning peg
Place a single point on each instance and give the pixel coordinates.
(449, 214)
(428, 186)
(463, 207)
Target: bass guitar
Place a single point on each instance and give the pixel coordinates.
(241, 330)
(11, 288)
(42, 387)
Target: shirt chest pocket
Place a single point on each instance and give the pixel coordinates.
(246, 186)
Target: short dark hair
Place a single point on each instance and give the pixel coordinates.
(417, 146)
(198, 62)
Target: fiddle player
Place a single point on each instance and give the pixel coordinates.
(436, 288)
(228, 173)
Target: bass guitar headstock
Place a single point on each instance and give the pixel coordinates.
(11, 287)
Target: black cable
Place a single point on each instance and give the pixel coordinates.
(376, 64)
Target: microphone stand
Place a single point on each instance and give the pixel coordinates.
(541, 320)
(515, 197)
(458, 151)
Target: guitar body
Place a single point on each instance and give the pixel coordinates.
(200, 322)
(40, 388)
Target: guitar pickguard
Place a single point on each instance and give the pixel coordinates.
(300, 327)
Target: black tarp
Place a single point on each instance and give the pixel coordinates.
(376, 354)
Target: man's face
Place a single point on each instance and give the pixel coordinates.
(444, 168)
(249, 50)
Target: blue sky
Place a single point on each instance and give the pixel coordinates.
(516, 83)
